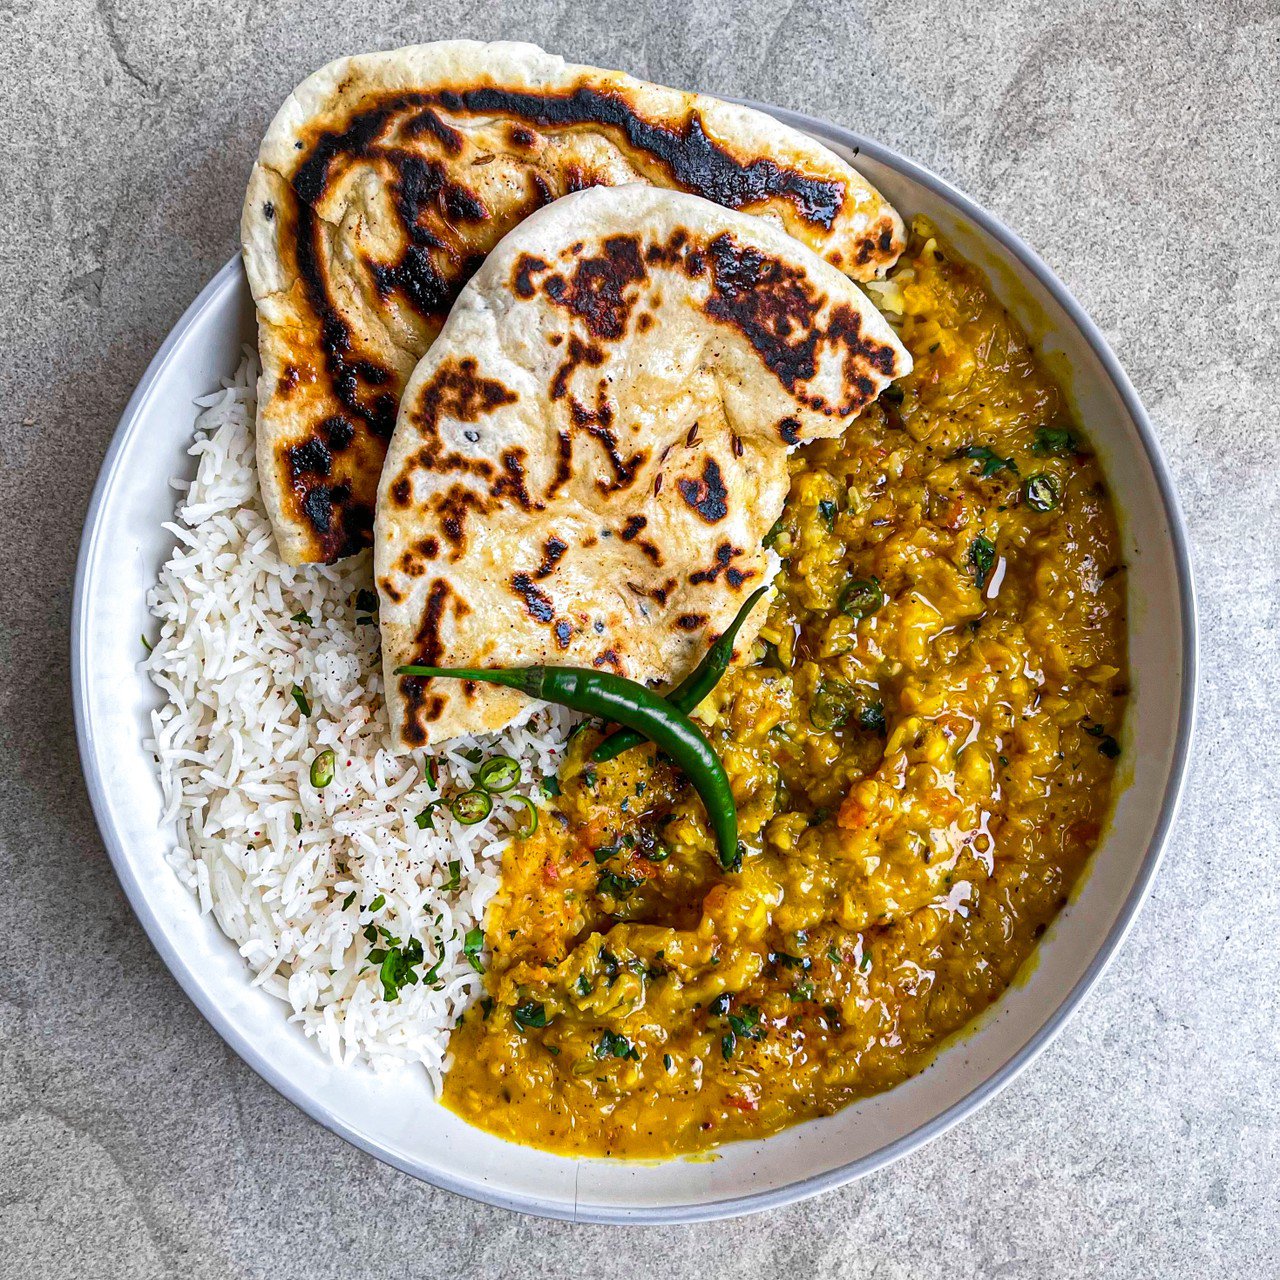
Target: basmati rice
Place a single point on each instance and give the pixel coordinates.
(292, 872)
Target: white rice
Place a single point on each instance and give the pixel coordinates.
(234, 754)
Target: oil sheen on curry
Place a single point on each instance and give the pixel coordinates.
(921, 744)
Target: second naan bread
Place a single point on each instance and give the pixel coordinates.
(587, 460)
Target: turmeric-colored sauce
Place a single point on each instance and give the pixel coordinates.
(921, 745)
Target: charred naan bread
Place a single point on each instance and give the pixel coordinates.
(587, 460)
(386, 178)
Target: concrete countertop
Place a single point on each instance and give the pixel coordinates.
(1137, 147)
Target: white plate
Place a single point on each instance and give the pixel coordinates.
(124, 546)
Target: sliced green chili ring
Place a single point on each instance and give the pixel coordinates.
(499, 773)
(529, 823)
(631, 705)
(323, 767)
(1040, 492)
(861, 597)
(831, 705)
(693, 688)
(472, 806)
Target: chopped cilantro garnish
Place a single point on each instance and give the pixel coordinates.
(349, 899)
(1055, 442)
(366, 601)
(871, 717)
(992, 462)
(745, 1024)
(146, 644)
(472, 945)
(297, 822)
(616, 886)
(397, 968)
(1106, 743)
(982, 557)
(455, 874)
(532, 1013)
(424, 821)
(301, 699)
(828, 510)
(613, 1045)
(304, 617)
(378, 903)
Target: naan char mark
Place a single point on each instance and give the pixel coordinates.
(385, 179)
(533, 440)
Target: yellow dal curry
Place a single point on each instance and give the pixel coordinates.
(921, 748)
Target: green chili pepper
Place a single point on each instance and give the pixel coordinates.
(322, 768)
(500, 773)
(1040, 492)
(529, 823)
(632, 705)
(472, 806)
(860, 597)
(831, 705)
(692, 689)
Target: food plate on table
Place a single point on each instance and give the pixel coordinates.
(709, 424)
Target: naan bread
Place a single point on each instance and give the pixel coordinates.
(586, 461)
(385, 179)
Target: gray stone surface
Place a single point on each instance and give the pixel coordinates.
(1138, 147)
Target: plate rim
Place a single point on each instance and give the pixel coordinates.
(753, 1202)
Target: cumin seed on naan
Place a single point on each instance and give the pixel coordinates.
(586, 461)
(385, 179)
